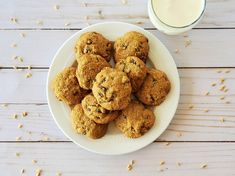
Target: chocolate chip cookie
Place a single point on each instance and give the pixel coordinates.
(135, 120)
(84, 125)
(155, 88)
(66, 87)
(135, 70)
(131, 44)
(112, 89)
(88, 67)
(96, 112)
(93, 43)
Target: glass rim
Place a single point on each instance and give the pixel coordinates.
(199, 17)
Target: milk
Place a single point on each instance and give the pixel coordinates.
(175, 16)
(178, 13)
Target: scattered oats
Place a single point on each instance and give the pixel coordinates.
(176, 51)
(219, 71)
(185, 35)
(17, 154)
(179, 164)
(191, 107)
(204, 166)
(139, 22)
(86, 17)
(39, 22)
(222, 80)
(222, 98)
(124, 2)
(161, 170)
(226, 90)
(45, 138)
(84, 4)
(167, 143)
(162, 163)
(15, 116)
(18, 138)
(29, 67)
(13, 45)
(227, 102)
(187, 43)
(24, 114)
(34, 161)
(30, 132)
(130, 165)
(58, 174)
(222, 120)
(22, 171)
(22, 34)
(179, 134)
(28, 75)
(14, 20)
(20, 126)
(213, 84)
(56, 7)
(5, 105)
(206, 110)
(227, 71)
(67, 24)
(207, 93)
(38, 172)
(222, 88)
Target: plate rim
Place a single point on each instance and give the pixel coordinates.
(48, 87)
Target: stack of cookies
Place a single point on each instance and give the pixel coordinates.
(99, 94)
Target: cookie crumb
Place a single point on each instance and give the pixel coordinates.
(206, 110)
(191, 107)
(13, 45)
(226, 90)
(227, 102)
(213, 84)
(22, 34)
(222, 80)
(14, 20)
(20, 126)
(219, 71)
(17, 154)
(227, 71)
(45, 138)
(167, 143)
(204, 166)
(29, 67)
(38, 172)
(207, 93)
(39, 22)
(124, 2)
(222, 120)
(188, 42)
(58, 174)
(179, 164)
(18, 138)
(4, 105)
(176, 51)
(139, 22)
(162, 163)
(222, 98)
(28, 75)
(56, 7)
(24, 114)
(67, 24)
(22, 171)
(15, 116)
(130, 165)
(222, 88)
(34, 161)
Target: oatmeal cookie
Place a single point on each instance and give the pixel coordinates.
(131, 44)
(135, 120)
(112, 89)
(96, 112)
(66, 87)
(88, 67)
(135, 70)
(84, 125)
(155, 88)
(93, 43)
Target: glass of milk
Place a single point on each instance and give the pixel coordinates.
(173, 17)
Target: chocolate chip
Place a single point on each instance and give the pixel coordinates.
(100, 94)
(133, 61)
(124, 46)
(86, 50)
(89, 41)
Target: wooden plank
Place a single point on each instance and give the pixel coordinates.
(194, 124)
(218, 14)
(187, 125)
(71, 160)
(194, 84)
(39, 47)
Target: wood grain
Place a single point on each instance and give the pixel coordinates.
(219, 14)
(207, 48)
(71, 160)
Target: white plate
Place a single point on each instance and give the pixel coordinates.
(114, 142)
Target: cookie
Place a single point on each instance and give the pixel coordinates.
(88, 67)
(155, 88)
(84, 125)
(66, 87)
(96, 112)
(135, 70)
(135, 120)
(93, 43)
(131, 44)
(112, 89)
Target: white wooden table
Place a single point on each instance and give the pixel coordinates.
(195, 137)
